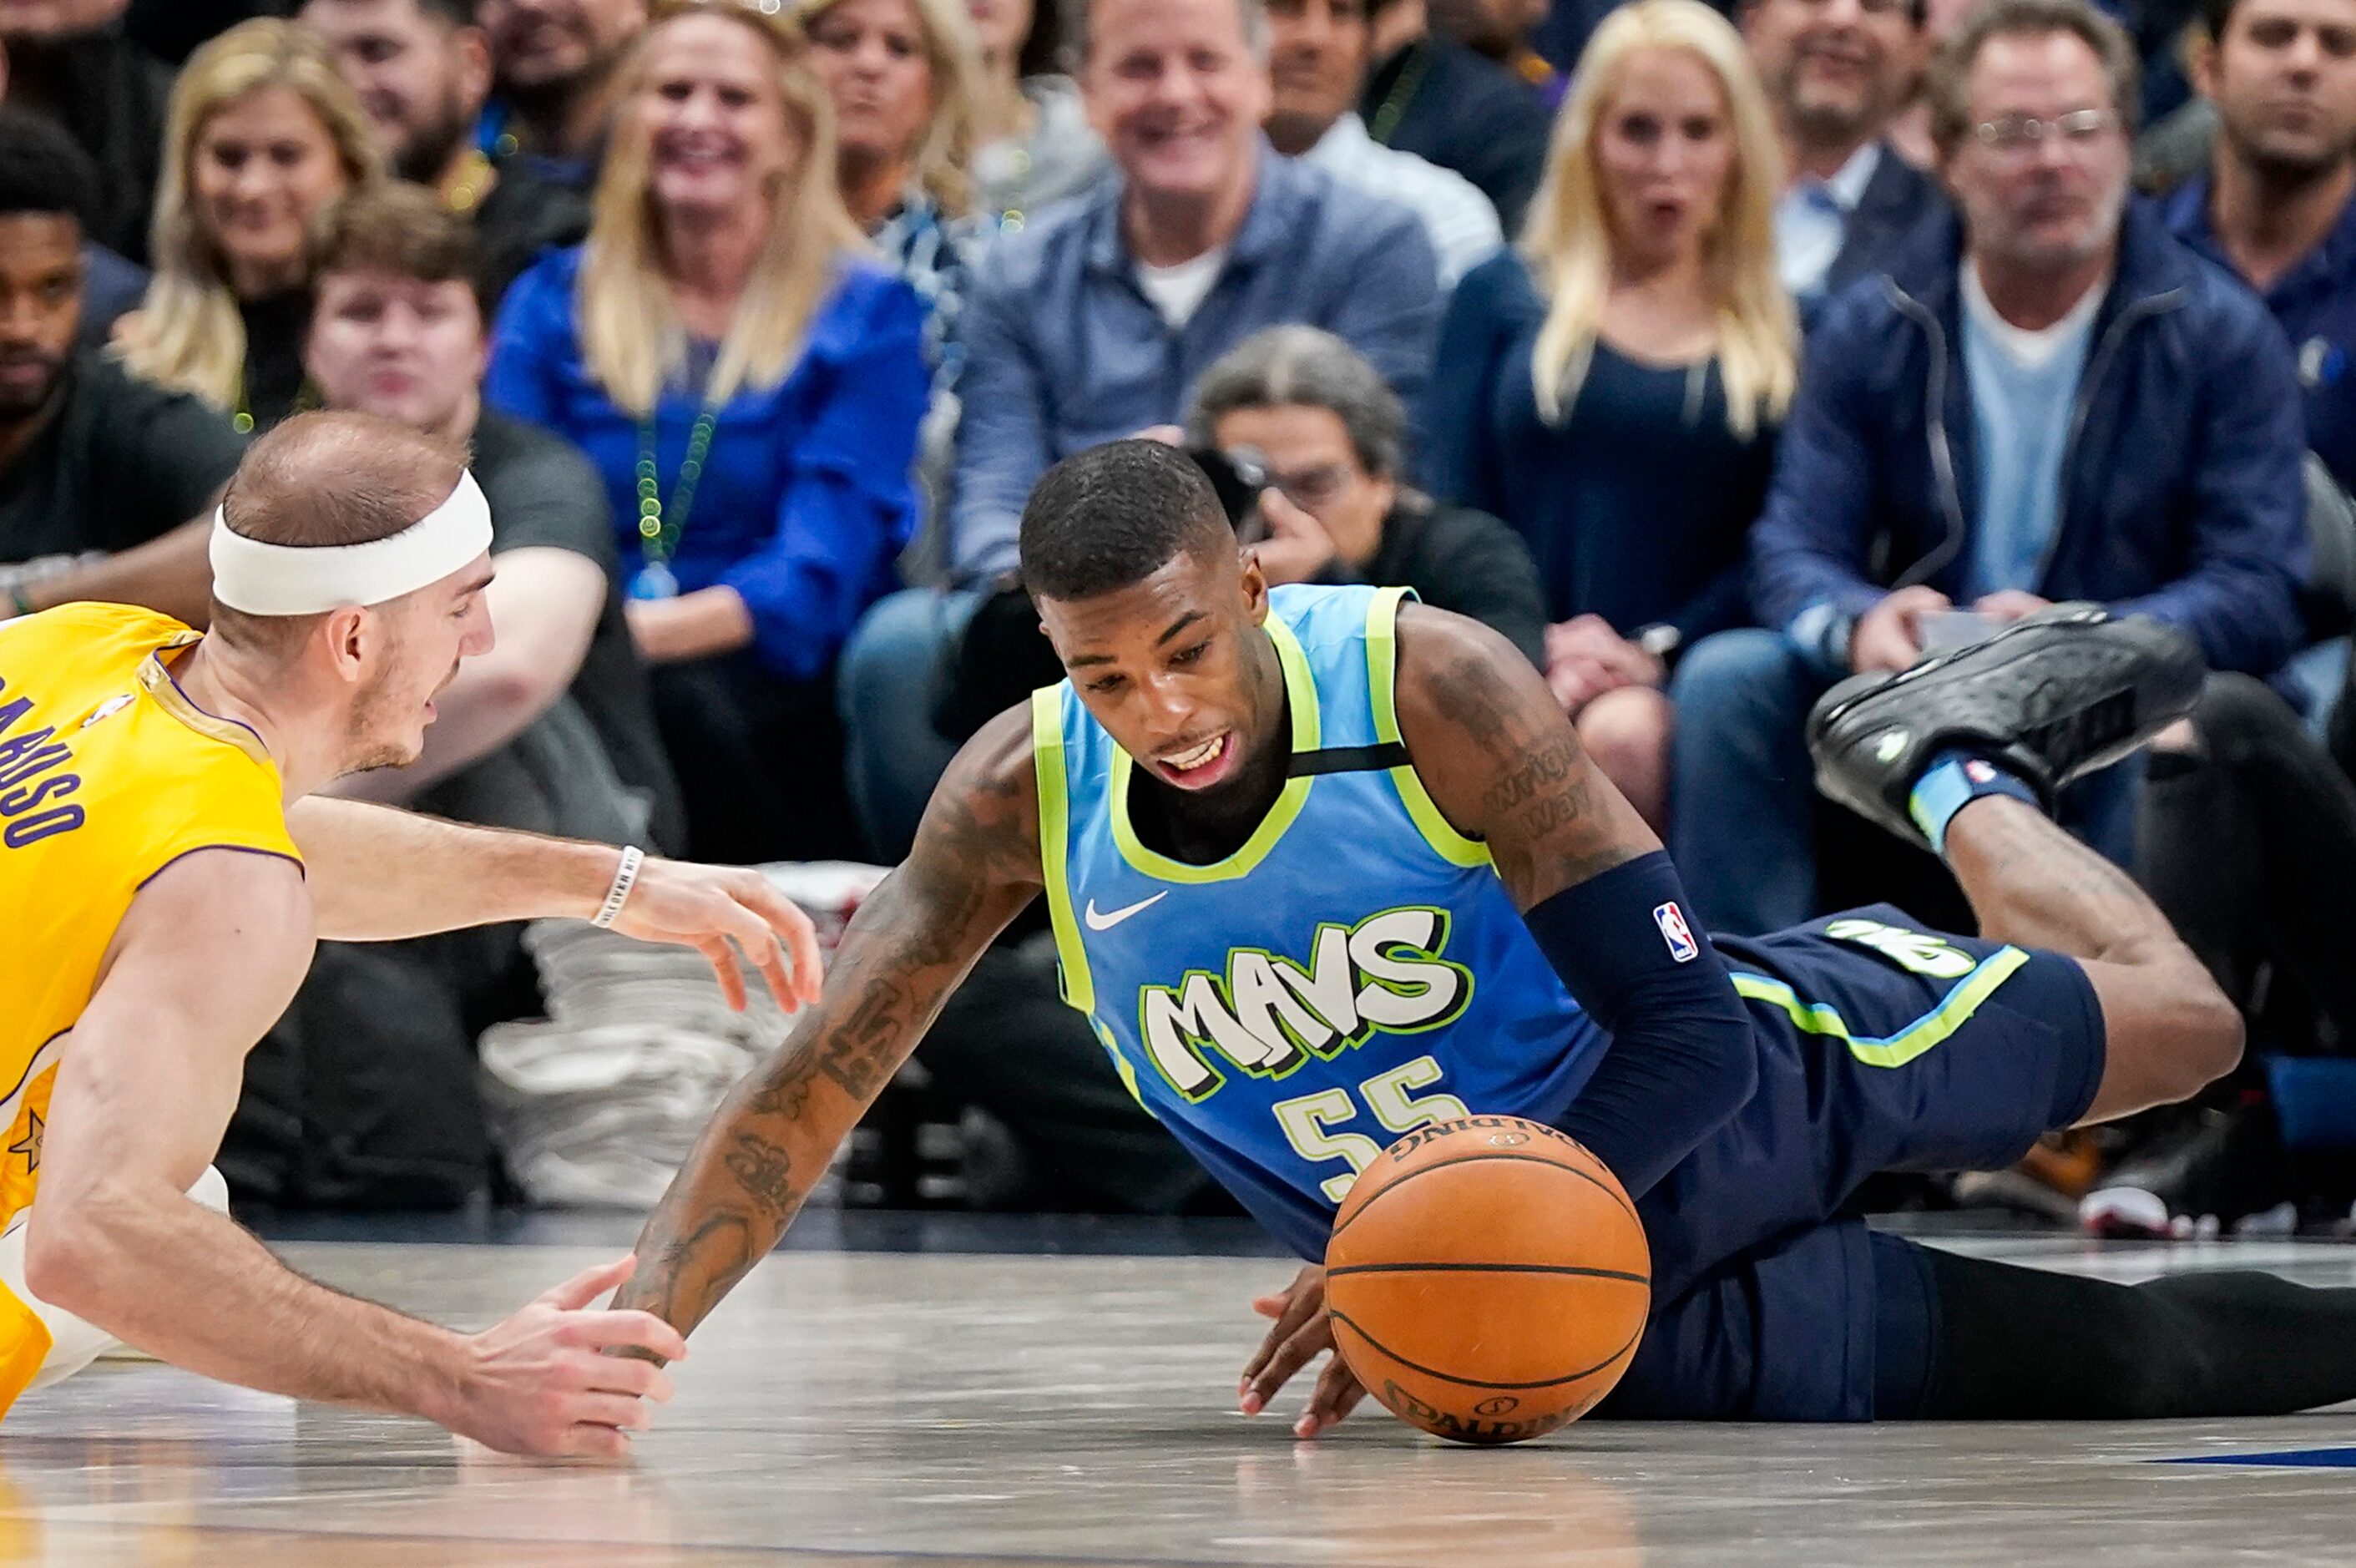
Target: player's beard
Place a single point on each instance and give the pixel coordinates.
(374, 713)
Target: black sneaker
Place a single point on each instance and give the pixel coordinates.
(2214, 1171)
(2054, 695)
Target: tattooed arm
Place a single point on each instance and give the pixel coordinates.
(974, 866)
(1502, 762)
(1601, 901)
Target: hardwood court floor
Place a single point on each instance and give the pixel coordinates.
(875, 1409)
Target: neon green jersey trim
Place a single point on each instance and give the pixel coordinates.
(1301, 695)
(1120, 1065)
(1382, 665)
(1055, 844)
(1892, 1050)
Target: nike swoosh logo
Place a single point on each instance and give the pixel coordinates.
(1111, 918)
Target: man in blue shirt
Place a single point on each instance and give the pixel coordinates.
(1093, 324)
(2275, 207)
(2045, 397)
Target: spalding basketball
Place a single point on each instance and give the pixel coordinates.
(1488, 1279)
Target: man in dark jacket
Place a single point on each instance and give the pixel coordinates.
(2040, 400)
(107, 484)
(1837, 72)
(73, 65)
(364, 1093)
(1432, 96)
(423, 70)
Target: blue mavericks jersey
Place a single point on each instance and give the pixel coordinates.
(1355, 972)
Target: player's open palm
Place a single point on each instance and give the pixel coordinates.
(1301, 1330)
(707, 906)
(541, 1382)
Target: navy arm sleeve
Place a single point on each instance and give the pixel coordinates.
(1682, 1059)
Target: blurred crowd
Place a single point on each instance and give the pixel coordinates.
(1706, 357)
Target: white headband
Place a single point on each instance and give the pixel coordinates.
(264, 579)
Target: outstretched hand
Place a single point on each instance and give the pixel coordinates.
(704, 906)
(1301, 1332)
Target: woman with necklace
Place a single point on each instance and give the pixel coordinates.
(263, 137)
(749, 384)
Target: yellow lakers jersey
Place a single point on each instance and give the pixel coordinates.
(108, 774)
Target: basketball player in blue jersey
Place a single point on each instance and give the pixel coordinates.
(1325, 866)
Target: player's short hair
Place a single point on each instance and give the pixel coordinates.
(43, 171)
(1113, 515)
(329, 478)
(403, 229)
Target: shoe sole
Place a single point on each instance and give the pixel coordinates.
(2090, 730)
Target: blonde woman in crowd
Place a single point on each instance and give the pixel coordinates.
(749, 381)
(1613, 386)
(263, 137)
(904, 76)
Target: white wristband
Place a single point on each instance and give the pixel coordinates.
(626, 876)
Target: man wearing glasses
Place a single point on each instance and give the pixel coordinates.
(1330, 436)
(2043, 397)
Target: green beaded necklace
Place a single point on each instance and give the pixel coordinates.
(659, 525)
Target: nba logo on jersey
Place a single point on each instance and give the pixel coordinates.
(1676, 933)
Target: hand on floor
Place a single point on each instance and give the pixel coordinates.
(1301, 1333)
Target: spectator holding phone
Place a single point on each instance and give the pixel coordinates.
(2043, 397)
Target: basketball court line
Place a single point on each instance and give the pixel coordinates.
(2286, 1458)
(1014, 1411)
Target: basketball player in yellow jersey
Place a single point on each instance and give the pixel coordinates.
(162, 879)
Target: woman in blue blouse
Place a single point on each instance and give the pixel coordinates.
(1612, 388)
(749, 384)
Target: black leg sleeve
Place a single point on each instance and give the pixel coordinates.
(2010, 1343)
